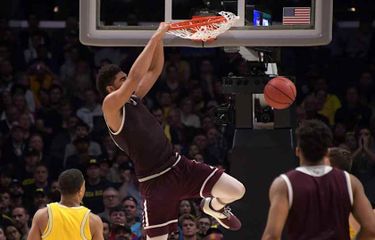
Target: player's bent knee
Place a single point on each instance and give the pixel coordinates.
(241, 190)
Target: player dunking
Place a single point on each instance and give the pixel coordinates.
(315, 200)
(165, 177)
(67, 219)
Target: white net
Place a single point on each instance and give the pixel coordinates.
(208, 30)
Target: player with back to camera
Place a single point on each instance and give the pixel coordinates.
(67, 220)
(165, 177)
(314, 200)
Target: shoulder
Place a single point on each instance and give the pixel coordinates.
(279, 185)
(95, 220)
(41, 213)
(41, 218)
(356, 184)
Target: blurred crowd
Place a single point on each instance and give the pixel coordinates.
(51, 119)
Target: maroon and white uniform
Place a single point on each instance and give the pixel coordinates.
(320, 200)
(165, 177)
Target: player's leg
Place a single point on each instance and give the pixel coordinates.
(215, 187)
(227, 189)
(163, 237)
(160, 215)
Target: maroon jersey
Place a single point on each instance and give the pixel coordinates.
(320, 200)
(142, 137)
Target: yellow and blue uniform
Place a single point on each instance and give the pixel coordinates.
(67, 223)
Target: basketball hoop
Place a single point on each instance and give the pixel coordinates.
(204, 28)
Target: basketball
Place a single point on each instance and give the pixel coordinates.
(280, 92)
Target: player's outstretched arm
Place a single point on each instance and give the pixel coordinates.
(153, 73)
(39, 222)
(115, 100)
(362, 211)
(96, 227)
(278, 212)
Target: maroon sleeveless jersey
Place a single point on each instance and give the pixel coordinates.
(142, 138)
(320, 200)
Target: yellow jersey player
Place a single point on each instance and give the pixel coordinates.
(67, 219)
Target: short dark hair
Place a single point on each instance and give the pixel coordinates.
(106, 77)
(213, 230)
(117, 228)
(340, 158)
(117, 208)
(70, 181)
(187, 217)
(130, 198)
(313, 138)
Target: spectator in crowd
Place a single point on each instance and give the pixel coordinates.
(328, 102)
(311, 107)
(36, 143)
(40, 200)
(188, 118)
(187, 207)
(90, 109)
(172, 83)
(174, 235)
(129, 185)
(115, 173)
(106, 228)
(31, 161)
(40, 181)
(21, 220)
(81, 157)
(16, 193)
(95, 186)
(130, 205)
(158, 113)
(364, 161)
(353, 113)
(177, 129)
(183, 67)
(121, 232)
(82, 131)
(104, 168)
(117, 216)
(204, 223)
(14, 148)
(59, 143)
(217, 146)
(214, 234)
(12, 233)
(111, 199)
(5, 178)
(9, 116)
(5, 203)
(108, 148)
(189, 227)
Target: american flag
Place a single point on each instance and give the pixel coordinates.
(296, 15)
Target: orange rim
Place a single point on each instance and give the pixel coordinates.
(196, 22)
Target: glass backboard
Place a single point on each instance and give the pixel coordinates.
(262, 22)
